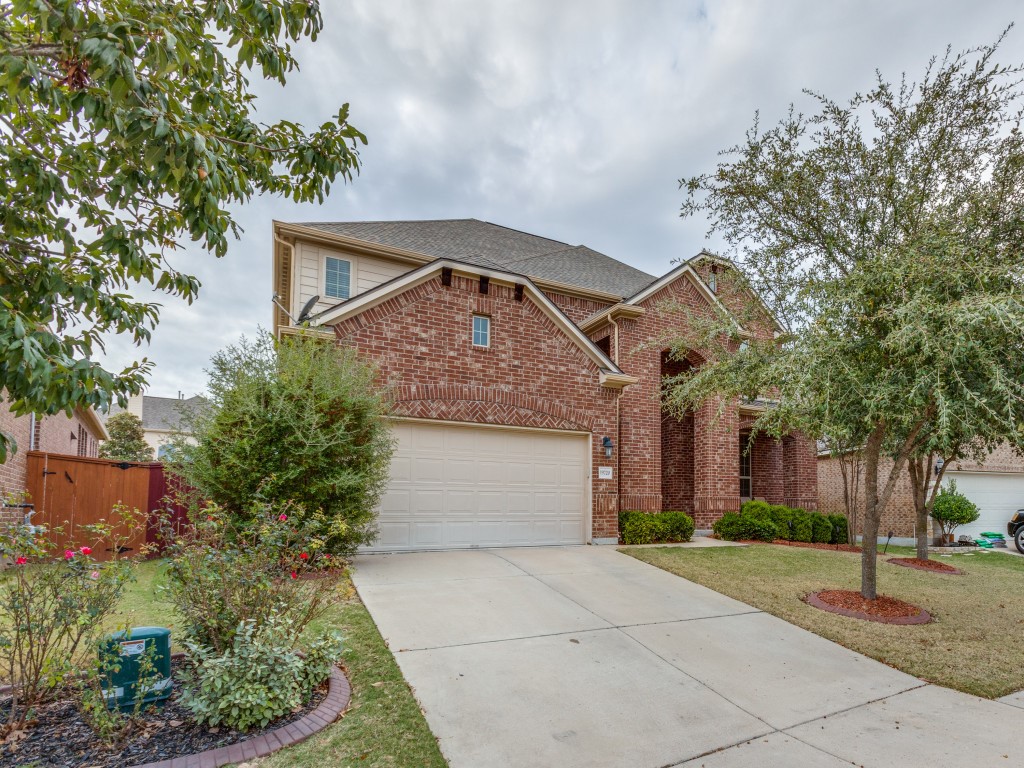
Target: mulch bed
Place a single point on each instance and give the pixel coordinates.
(884, 610)
(809, 545)
(926, 565)
(60, 738)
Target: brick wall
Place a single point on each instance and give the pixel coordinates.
(766, 469)
(532, 375)
(899, 515)
(12, 471)
(575, 308)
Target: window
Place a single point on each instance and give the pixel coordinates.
(746, 491)
(481, 331)
(339, 278)
(713, 281)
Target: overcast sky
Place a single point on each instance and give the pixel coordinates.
(571, 119)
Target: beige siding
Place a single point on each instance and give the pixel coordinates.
(367, 272)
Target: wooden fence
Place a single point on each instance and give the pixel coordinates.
(70, 492)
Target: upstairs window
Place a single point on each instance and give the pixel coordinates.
(481, 331)
(339, 278)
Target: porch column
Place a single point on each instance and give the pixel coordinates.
(800, 459)
(716, 463)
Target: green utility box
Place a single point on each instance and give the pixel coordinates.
(142, 652)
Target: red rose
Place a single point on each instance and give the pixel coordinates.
(295, 575)
(21, 560)
(282, 517)
(304, 556)
(85, 550)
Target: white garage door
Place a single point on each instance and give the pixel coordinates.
(997, 495)
(472, 486)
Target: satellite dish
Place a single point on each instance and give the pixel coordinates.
(304, 314)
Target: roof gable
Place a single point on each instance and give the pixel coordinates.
(383, 292)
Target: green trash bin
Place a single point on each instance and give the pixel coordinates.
(123, 653)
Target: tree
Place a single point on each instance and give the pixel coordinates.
(128, 130)
(953, 509)
(886, 236)
(127, 439)
(296, 422)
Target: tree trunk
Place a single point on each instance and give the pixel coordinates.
(919, 468)
(872, 516)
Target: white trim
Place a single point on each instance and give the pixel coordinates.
(486, 331)
(384, 291)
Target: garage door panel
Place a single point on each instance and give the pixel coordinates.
(457, 486)
(997, 495)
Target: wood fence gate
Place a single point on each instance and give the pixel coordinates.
(70, 492)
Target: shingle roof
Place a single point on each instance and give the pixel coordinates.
(165, 412)
(486, 244)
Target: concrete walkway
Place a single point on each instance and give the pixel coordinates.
(583, 656)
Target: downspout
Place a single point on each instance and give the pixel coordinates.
(32, 432)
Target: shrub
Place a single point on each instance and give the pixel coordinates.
(53, 604)
(840, 529)
(224, 573)
(783, 518)
(678, 526)
(637, 527)
(754, 527)
(821, 528)
(297, 421)
(760, 508)
(259, 678)
(952, 509)
(803, 526)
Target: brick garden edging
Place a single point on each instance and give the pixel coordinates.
(813, 600)
(339, 692)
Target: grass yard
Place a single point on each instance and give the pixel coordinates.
(383, 726)
(972, 644)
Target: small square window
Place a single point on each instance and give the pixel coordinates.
(339, 278)
(481, 331)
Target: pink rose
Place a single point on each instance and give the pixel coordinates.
(282, 517)
(68, 554)
(94, 575)
(86, 550)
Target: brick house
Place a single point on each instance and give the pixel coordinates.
(162, 417)
(525, 375)
(75, 435)
(996, 485)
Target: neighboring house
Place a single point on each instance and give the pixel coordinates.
(996, 485)
(525, 377)
(75, 435)
(161, 417)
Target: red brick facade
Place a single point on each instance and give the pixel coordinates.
(531, 375)
(534, 375)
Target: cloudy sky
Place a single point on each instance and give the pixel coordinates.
(572, 119)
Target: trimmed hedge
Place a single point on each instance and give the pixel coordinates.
(760, 521)
(637, 527)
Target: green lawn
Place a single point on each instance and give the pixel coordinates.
(383, 726)
(972, 644)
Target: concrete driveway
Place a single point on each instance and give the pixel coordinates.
(583, 656)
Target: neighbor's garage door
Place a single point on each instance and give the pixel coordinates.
(472, 486)
(997, 495)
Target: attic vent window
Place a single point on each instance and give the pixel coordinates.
(713, 279)
(338, 284)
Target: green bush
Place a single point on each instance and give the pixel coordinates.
(760, 508)
(952, 509)
(258, 679)
(678, 526)
(297, 421)
(840, 529)
(750, 526)
(821, 528)
(637, 527)
(803, 526)
(783, 518)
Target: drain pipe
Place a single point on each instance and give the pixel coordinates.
(618, 421)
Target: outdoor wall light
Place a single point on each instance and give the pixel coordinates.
(607, 444)
(939, 464)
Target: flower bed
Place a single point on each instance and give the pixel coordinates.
(165, 733)
(926, 565)
(884, 610)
